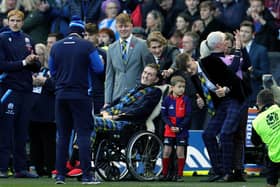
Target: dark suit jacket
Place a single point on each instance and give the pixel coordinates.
(167, 57)
(259, 60)
(218, 73)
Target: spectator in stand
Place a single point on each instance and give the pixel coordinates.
(176, 114)
(190, 43)
(17, 63)
(110, 8)
(42, 128)
(59, 15)
(176, 39)
(125, 61)
(183, 23)
(5, 7)
(51, 39)
(88, 10)
(154, 22)
(139, 32)
(229, 40)
(105, 38)
(258, 57)
(207, 11)
(264, 24)
(274, 7)
(198, 26)
(36, 22)
(232, 13)
(169, 9)
(91, 34)
(192, 9)
(160, 52)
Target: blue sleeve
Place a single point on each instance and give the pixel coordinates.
(96, 63)
(164, 112)
(52, 66)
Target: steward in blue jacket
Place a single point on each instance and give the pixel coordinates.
(17, 62)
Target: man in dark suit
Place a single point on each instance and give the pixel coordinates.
(161, 53)
(258, 57)
(223, 93)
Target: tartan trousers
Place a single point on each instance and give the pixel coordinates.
(224, 123)
(103, 125)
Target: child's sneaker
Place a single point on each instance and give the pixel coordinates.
(59, 179)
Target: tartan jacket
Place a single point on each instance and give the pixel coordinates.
(137, 104)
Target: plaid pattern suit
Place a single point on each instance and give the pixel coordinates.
(135, 106)
(225, 121)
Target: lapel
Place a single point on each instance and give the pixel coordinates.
(252, 49)
(131, 47)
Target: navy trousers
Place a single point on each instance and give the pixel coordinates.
(14, 121)
(73, 114)
(224, 123)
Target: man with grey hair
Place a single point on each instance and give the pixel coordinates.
(223, 93)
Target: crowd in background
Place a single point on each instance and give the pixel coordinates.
(169, 27)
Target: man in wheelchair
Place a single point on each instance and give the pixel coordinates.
(134, 107)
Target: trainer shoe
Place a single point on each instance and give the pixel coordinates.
(4, 174)
(90, 180)
(179, 179)
(59, 179)
(75, 172)
(25, 174)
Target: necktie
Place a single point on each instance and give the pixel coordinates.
(124, 54)
(206, 93)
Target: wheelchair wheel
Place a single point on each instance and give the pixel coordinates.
(143, 156)
(110, 161)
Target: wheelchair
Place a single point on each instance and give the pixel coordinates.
(134, 151)
(131, 152)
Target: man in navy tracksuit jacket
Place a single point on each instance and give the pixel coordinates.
(71, 62)
(17, 62)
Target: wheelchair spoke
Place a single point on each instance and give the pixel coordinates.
(144, 156)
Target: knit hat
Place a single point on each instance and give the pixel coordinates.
(77, 26)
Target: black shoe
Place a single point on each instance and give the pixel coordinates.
(239, 177)
(227, 178)
(212, 178)
(179, 179)
(25, 174)
(163, 178)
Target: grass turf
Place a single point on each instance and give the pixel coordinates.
(188, 182)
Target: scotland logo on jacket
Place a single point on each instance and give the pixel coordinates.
(28, 44)
(10, 109)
